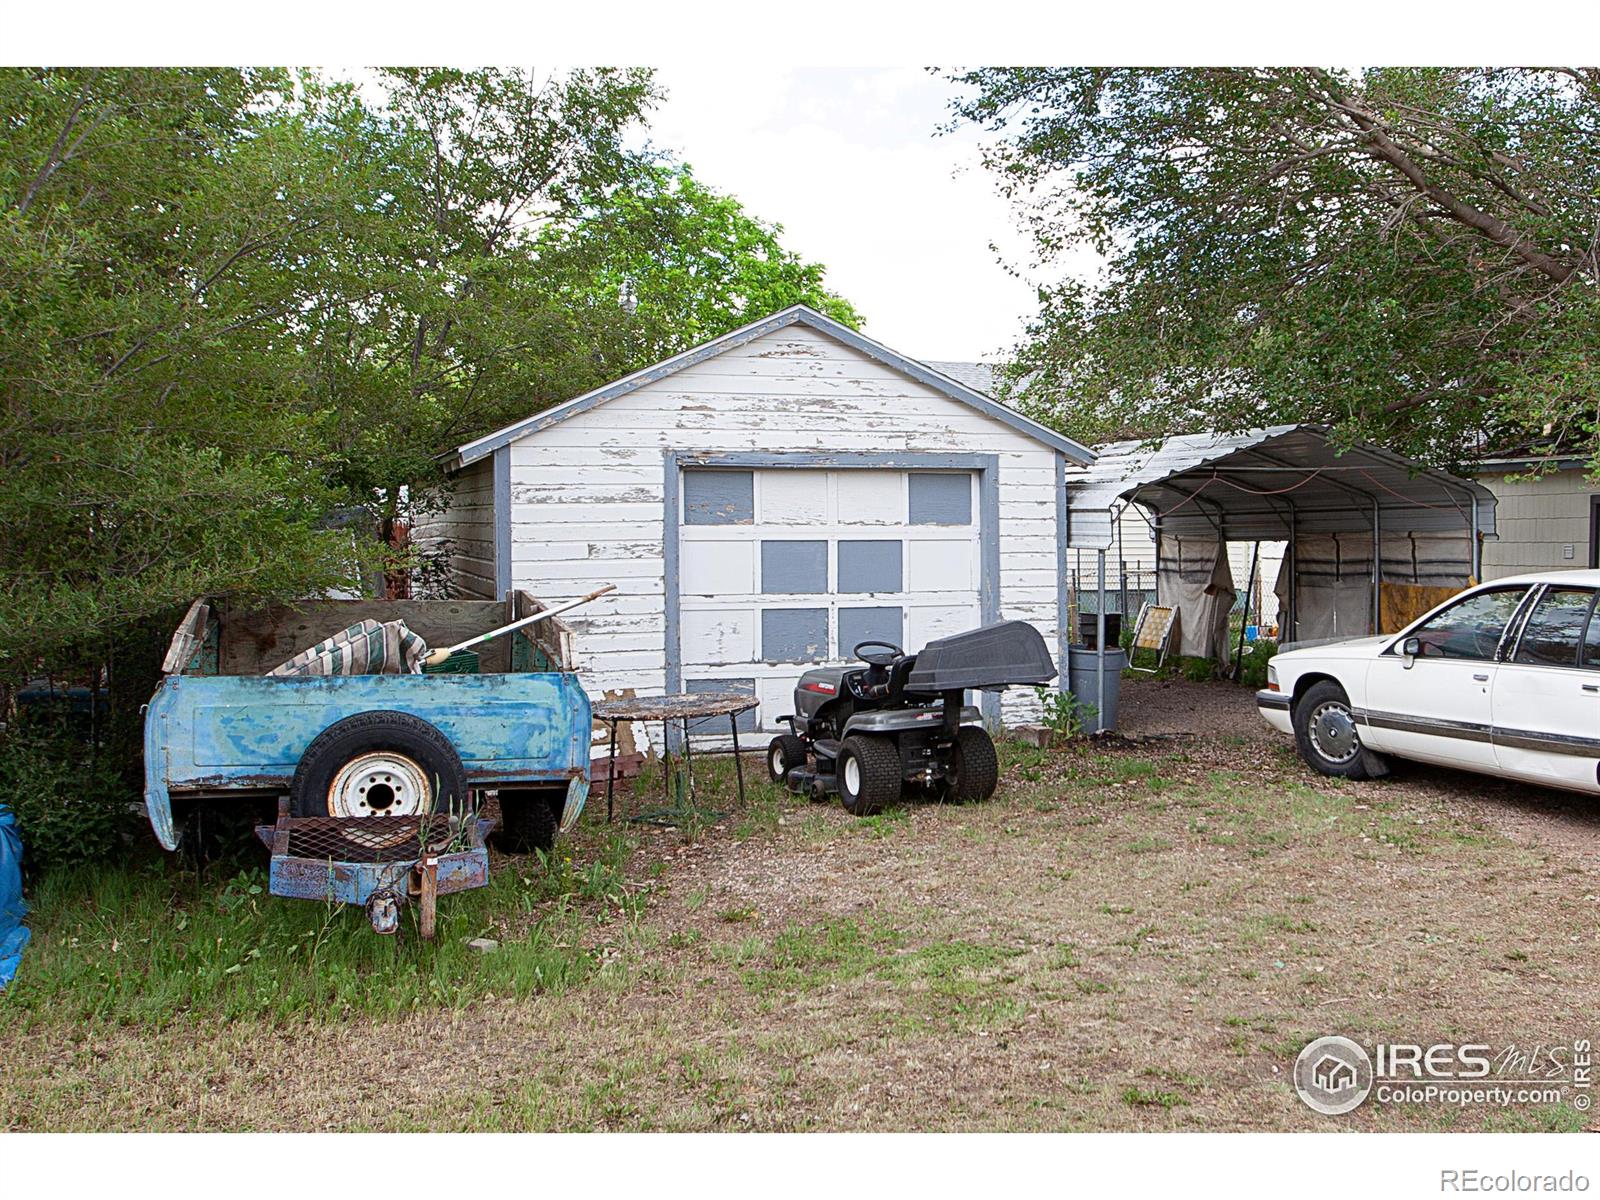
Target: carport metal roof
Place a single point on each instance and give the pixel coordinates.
(1265, 484)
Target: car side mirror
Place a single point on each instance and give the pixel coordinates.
(1411, 647)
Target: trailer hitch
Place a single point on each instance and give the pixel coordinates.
(383, 910)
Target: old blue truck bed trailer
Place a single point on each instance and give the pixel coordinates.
(379, 779)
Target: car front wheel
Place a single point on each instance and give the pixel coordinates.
(1325, 732)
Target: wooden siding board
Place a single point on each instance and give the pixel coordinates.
(588, 497)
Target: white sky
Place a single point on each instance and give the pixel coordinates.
(847, 161)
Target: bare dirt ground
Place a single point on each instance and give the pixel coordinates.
(1536, 816)
(1136, 935)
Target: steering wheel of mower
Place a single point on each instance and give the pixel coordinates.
(883, 657)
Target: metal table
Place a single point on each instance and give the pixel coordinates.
(683, 708)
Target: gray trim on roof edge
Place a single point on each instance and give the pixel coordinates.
(502, 523)
(1498, 466)
(1062, 606)
(796, 314)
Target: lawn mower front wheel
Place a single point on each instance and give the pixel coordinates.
(868, 774)
(785, 752)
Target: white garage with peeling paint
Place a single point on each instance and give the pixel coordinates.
(763, 502)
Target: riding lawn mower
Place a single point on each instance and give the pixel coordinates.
(902, 719)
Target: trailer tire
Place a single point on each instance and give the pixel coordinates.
(784, 753)
(974, 770)
(868, 774)
(438, 784)
(530, 818)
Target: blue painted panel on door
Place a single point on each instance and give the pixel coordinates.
(747, 719)
(719, 497)
(940, 498)
(794, 567)
(876, 624)
(794, 634)
(870, 566)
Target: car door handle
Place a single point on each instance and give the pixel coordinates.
(1591, 687)
(1481, 678)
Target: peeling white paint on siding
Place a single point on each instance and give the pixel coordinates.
(587, 493)
(469, 520)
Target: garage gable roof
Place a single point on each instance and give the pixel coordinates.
(799, 314)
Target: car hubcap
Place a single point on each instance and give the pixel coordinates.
(852, 776)
(1333, 733)
(382, 784)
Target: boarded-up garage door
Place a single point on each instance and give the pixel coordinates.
(782, 569)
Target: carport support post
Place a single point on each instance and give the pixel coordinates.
(1377, 566)
(1100, 646)
(1476, 548)
(1287, 627)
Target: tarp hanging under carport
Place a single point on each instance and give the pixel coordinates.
(1192, 575)
(1292, 483)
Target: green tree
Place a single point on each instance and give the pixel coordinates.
(156, 228)
(434, 327)
(664, 263)
(1406, 254)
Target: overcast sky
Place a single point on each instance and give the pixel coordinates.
(848, 162)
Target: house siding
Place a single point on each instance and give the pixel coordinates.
(1537, 520)
(587, 494)
(469, 522)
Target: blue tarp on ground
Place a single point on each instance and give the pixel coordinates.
(13, 934)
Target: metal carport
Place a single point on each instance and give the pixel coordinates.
(1289, 483)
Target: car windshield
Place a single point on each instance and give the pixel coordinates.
(1471, 627)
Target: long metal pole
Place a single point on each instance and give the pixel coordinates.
(1377, 567)
(1100, 659)
(1294, 577)
(1156, 581)
(1249, 590)
(1477, 560)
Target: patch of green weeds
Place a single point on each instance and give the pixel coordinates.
(1152, 1098)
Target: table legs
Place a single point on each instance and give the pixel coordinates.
(738, 765)
(611, 772)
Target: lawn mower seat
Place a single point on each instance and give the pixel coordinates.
(898, 674)
(872, 683)
(887, 683)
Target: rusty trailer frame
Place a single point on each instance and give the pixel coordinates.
(219, 728)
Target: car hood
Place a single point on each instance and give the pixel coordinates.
(1362, 647)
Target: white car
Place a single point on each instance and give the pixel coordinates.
(1503, 679)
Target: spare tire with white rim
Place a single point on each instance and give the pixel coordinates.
(378, 764)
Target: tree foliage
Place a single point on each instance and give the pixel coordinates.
(1406, 254)
(684, 262)
(234, 302)
(154, 226)
(440, 325)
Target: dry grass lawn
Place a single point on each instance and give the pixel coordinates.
(1126, 937)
